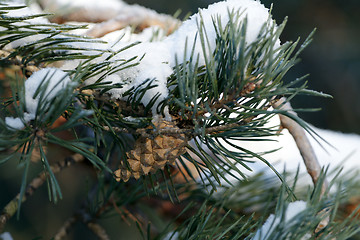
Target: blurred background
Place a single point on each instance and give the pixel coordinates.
(332, 59)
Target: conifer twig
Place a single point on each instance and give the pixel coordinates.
(169, 131)
(17, 61)
(64, 230)
(98, 230)
(82, 215)
(112, 20)
(302, 142)
(135, 15)
(163, 21)
(11, 208)
(307, 152)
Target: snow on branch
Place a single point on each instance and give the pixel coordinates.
(53, 81)
(306, 150)
(110, 15)
(156, 60)
(139, 64)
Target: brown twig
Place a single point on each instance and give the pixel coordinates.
(17, 61)
(123, 212)
(82, 215)
(111, 19)
(175, 131)
(122, 105)
(98, 230)
(306, 150)
(135, 15)
(64, 230)
(89, 219)
(11, 208)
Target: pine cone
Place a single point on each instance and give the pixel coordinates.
(151, 154)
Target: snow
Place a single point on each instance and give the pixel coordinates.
(94, 5)
(80, 31)
(288, 157)
(171, 236)
(126, 35)
(6, 236)
(256, 13)
(15, 123)
(160, 67)
(341, 151)
(24, 12)
(152, 65)
(292, 210)
(93, 10)
(158, 58)
(54, 79)
(123, 35)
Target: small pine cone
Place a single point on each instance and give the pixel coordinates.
(151, 154)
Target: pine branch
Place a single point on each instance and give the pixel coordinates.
(11, 208)
(176, 131)
(98, 230)
(17, 61)
(99, 201)
(131, 18)
(112, 19)
(65, 228)
(306, 150)
(39, 43)
(221, 101)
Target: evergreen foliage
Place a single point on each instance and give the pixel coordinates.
(224, 102)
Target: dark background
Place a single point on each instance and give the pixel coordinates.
(332, 59)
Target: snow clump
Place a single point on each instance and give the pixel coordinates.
(53, 79)
(6, 236)
(292, 210)
(256, 14)
(157, 59)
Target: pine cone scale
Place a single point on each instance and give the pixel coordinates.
(152, 153)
